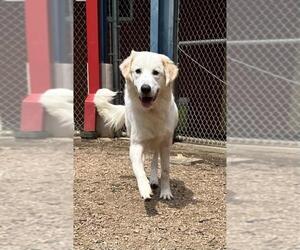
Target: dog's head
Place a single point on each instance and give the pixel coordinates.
(149, 73)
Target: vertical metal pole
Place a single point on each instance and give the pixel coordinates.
(163, 29)
(175, 52)
(154, 26)
(176, 28)
(103, 28)
(166, 30)
(162, 26)
(115, 38)
(175, 43)
(57, 25)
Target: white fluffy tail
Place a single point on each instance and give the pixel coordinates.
(113, 115)
(59, 103)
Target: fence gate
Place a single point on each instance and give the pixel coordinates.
(201, 87)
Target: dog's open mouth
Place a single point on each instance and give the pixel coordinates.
(147, 101)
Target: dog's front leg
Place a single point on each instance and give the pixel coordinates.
(153, 176)
(136, 156)
(165, 192)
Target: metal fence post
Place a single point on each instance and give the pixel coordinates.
(175, 43)
(115, 44)
(104, 31)
(163, 29)
(61, 41)
(154, 25)
(162, 35)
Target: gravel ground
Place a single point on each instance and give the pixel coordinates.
(36, 210)
(109, 213)
(36, 206)
(263, 198)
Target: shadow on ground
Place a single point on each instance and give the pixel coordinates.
(182, 197)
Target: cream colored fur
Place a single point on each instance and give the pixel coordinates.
(114, 115)
(150, 127)
(59, 103)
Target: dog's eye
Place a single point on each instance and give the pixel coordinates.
(155, 72)
(138, 71)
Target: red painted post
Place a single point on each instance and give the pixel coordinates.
(38, 53)
(94, 73)
(93, 45)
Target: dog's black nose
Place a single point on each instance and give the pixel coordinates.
(146, 89)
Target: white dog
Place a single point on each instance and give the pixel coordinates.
(150, 115)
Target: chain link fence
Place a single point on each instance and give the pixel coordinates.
(263, 65)
(238, 60)
(201, 86)
(80, 63)
(13, 83)
(260, 59)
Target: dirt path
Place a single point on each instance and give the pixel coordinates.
(109, 213)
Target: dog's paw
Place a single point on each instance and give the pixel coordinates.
(145, 191)
(166, 194)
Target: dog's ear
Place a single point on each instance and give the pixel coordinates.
(126, 65)
(171, 70)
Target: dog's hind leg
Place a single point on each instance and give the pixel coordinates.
(153, 176)
(165, 192)
(136, 156)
